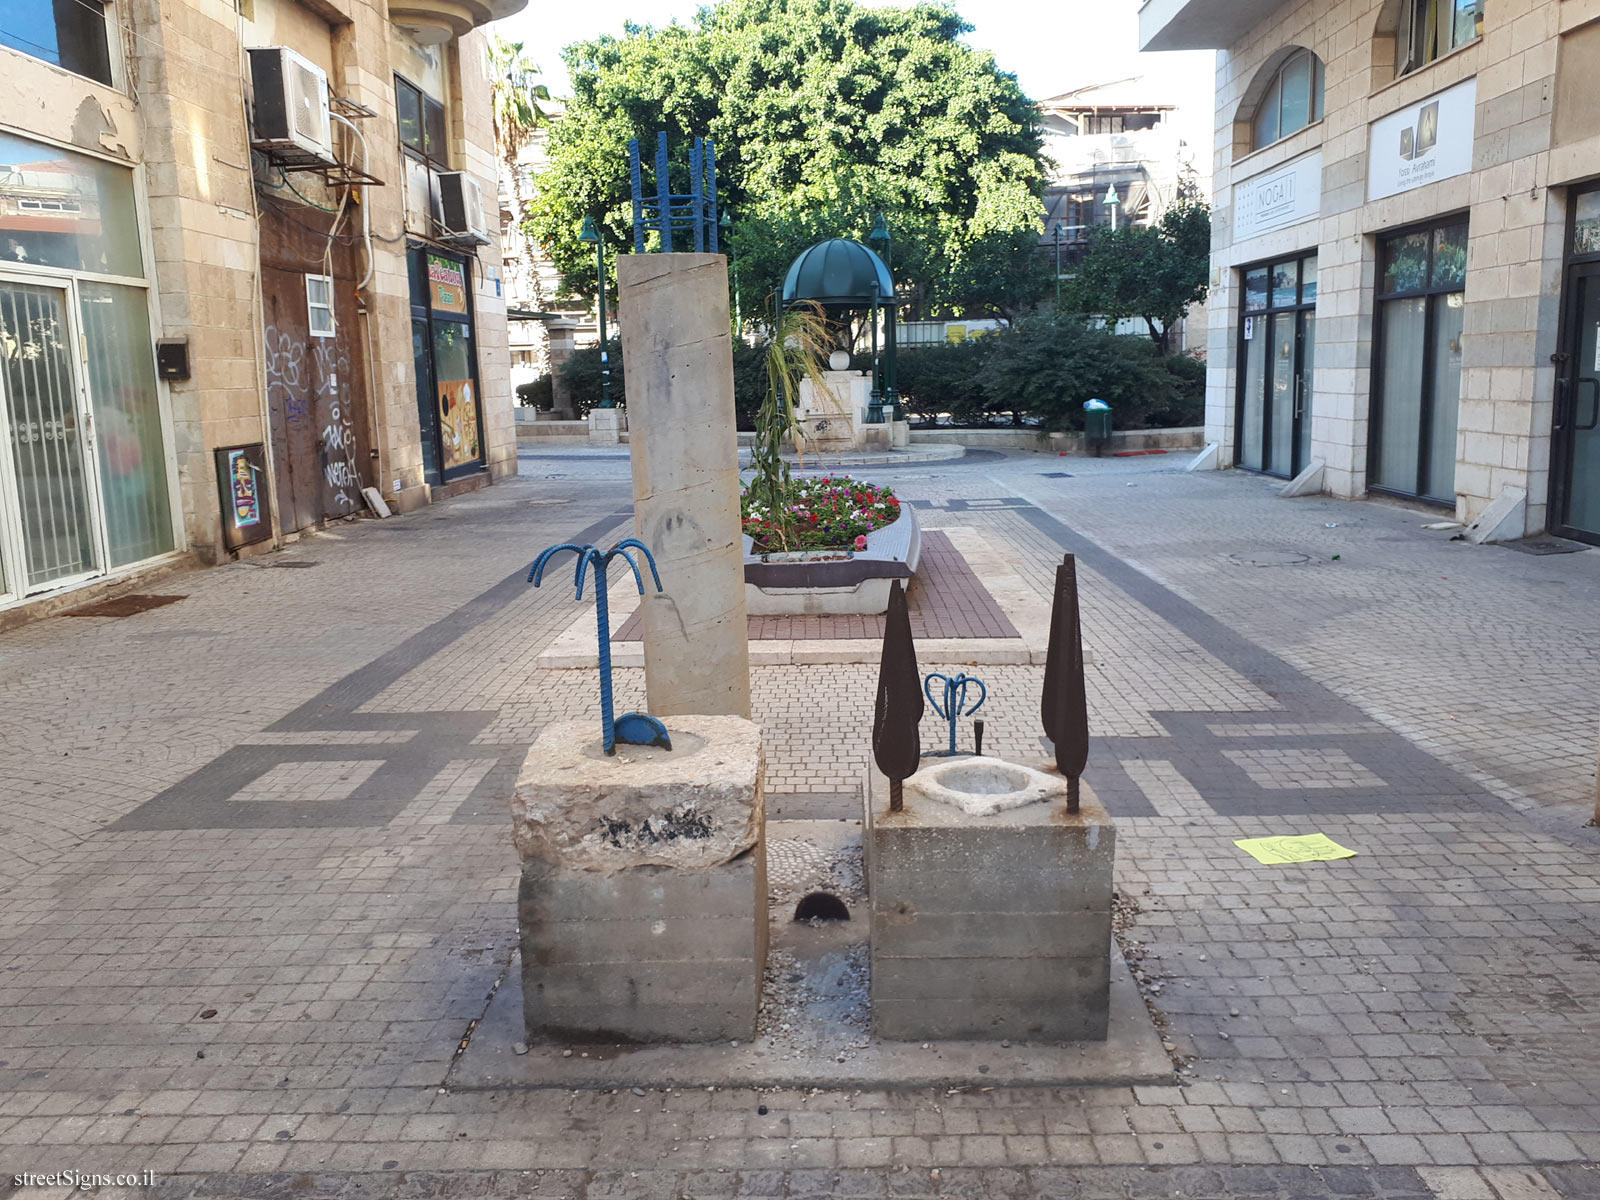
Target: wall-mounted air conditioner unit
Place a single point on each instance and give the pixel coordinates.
(291, 106)
(461, 202)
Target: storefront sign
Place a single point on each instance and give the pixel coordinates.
(447, 284)
(1278, 199)
(1429, 141)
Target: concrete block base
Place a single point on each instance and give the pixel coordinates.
(643, 898)
(988, 927)
(605, 426)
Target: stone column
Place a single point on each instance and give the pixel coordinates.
(685, 450)
(561, 334)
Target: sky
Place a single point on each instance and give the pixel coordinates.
(1051, 47)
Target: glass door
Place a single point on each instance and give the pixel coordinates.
(46, 486)
(1577, 413)
(1277, 352)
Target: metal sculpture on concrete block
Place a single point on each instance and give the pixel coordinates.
(636, 729)
(896, 744)
(1063, 707)
(695, 211)
(953, 705)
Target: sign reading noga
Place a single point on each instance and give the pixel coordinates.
(1423, 143)
(1276, 199)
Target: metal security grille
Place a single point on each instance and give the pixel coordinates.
(46, 446)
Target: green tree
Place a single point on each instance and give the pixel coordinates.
(822, 112)
(1151, 272)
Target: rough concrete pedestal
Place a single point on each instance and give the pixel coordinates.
(643, 900)
(685, 453)
(988, 927)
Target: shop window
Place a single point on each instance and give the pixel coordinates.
(1292, 101)
(66, 210)
(71, 34)
(1417, 378)
(319, 305)
(1433, 28)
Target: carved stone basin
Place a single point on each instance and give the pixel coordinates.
(980, 786)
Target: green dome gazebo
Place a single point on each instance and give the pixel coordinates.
(842, 275)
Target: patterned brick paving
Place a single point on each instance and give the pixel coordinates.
(946, 599)
(255, 885)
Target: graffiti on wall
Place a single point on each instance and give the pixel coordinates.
(286, 375)
(338, 441)
(308, 385)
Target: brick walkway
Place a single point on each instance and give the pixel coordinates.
(256, 882)
(945, 598)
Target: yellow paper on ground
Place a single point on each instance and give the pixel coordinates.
(1310, 847)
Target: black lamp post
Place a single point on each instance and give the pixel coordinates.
(891, 396)
(592, 234)
(725, 224)
(1057, 237)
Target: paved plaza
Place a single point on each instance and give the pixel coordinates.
(258, 885)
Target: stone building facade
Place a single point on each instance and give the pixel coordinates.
(209, 344)
(1405, 297)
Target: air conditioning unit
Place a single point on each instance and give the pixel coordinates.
(291, 106)
(461, 203)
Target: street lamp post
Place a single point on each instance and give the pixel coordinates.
(891, 396)
(726, 226)
(1057, 237)
(592, 234)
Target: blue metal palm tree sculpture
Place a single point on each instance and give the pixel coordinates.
(634, 729)
(954, 706)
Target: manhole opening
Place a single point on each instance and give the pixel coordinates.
(821, 906)
(123, 606)
(1269, 558)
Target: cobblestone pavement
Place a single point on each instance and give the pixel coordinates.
(257, 885)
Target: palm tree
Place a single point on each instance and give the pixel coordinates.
(516, 91)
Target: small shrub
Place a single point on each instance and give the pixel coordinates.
(582, 375)
(946, 378)
(1048, 368)
(537, 393)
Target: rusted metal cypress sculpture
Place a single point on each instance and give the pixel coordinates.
(896, 743)
(1063, 707)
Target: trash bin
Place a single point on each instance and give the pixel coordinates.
(1097, 425)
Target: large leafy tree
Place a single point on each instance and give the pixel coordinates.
(822, 112)
(1149, 272)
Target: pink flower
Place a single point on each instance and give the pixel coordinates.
(861, 542)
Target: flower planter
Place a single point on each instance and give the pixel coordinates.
(835, 582)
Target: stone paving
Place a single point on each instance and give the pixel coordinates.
(257, 882)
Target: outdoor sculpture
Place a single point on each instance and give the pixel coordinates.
(695, 211)
(636, 729)
(1063, 708)
(954, 705)
(896, 746)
